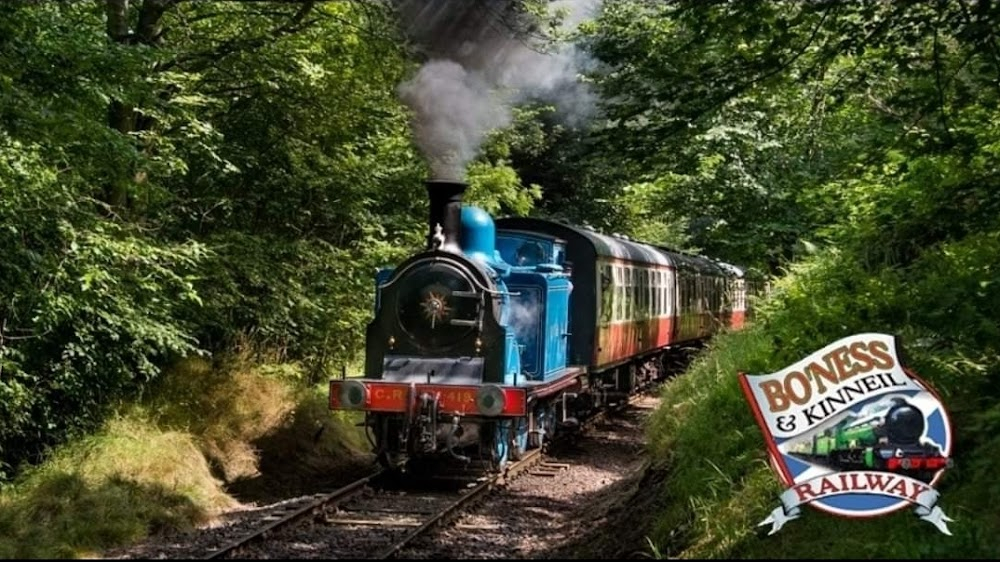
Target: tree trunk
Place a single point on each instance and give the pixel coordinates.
(121, 115)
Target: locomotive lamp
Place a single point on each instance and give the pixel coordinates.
(490, 400)
(392, 342)
(353, 395)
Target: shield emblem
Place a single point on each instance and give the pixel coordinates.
(851, 431)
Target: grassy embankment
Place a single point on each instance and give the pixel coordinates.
(177, 459)
(720, 487)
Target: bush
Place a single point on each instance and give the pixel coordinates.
(90, 308)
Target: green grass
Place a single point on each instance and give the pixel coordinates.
(720, 486)
(109, 489)
(173, 461)
(943, 306)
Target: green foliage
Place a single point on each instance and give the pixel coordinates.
(850, 149)
(763, 124)
(306, 299)
(91, 304)
(183, 181)
(635, 209)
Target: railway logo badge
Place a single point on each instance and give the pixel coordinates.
(851, 431)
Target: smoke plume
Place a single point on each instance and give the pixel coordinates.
(482, 58)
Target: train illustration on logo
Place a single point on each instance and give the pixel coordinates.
(887, 436)
(851, 431)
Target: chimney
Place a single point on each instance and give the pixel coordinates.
(445, 211)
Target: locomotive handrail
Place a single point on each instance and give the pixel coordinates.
(501, 293)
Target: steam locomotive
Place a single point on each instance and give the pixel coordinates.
(503, 333)
(888, 438)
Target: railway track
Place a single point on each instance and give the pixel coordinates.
(375, 517)
(370, 518)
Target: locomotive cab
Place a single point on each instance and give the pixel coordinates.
(540, 295)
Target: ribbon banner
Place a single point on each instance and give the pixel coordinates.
(851, 431)
(914, 491)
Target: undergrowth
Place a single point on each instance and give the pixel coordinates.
(173, 461)
(720, 486)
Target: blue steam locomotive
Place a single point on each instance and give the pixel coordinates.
(501, 334)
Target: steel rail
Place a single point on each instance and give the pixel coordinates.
(337, 495)
(478, 492)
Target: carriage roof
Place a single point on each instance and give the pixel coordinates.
(620, 247)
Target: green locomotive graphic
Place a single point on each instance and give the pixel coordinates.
(888, 437)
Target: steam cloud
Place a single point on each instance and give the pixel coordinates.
(479, 65)
(524, 316)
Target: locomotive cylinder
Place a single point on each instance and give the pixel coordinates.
(445, 221)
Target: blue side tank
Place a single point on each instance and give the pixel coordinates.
(540, 303)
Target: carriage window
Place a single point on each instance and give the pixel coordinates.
(663, 293)
(697, 293)
(692, 292)
(654, 292)
(628, 293)
(690, 296)
(646, 301)
(681, 291)
(636, 293)
(643, 292)
(654, 300)
(702, 294)
(659, 293)
(607, 294)
(650, 295)
(619, 293)
(662, 290)
(640, 289)
(666, 293)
